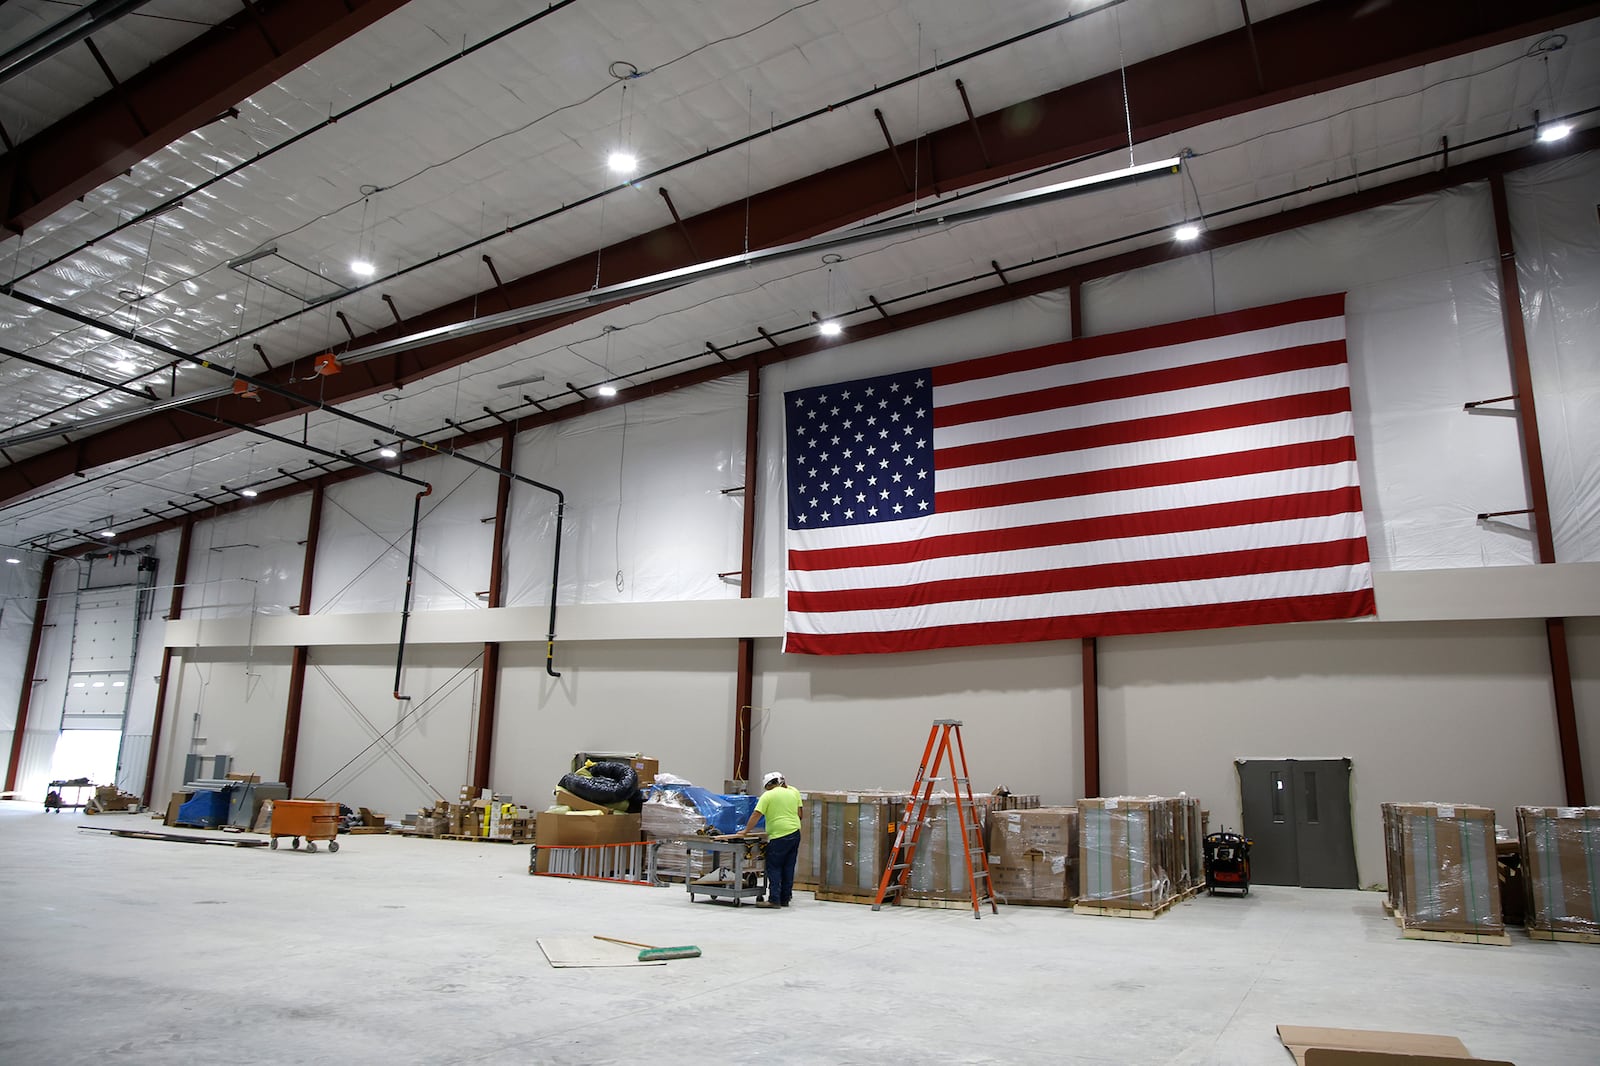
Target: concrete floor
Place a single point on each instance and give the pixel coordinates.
(419, 951)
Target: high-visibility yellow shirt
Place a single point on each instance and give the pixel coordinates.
(781, 808)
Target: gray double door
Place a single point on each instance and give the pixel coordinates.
(1297, 813)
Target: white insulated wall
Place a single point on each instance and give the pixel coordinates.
(1443, 710)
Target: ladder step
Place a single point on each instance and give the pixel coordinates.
(900, 866)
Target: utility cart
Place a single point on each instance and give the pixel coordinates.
(1227, 863)
(312, 820)
(738, 868)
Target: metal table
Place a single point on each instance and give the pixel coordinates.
(734, 872)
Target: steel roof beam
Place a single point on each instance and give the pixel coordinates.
(1309, 50)
(175, 96)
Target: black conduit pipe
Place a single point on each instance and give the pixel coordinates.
(405, 609)
(555, 574)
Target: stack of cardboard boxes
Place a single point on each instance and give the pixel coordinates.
(482, 815)
(1033, 854)
(845, 841)
(585, 823)
(939, 867)
(1442, 870)
(1134, 852)
(1561, 862)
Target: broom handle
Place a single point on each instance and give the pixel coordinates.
(630, 943)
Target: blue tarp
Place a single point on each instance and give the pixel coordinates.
(206, 809)
(725, 814)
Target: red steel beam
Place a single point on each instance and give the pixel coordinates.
(29, 666)
(180, 578)
(1088, 648)
(175, 96)
(489, 690)
(1308, 50)
(302, 654)
(1533, 459)
(744, 675)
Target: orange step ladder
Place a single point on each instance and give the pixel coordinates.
(939, 751)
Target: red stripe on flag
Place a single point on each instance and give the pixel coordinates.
(1159, 427)
(1309, 309)
(1273, 560)
(1150, 475)
(1163, 620)
(1077, 531)
(1240, 368)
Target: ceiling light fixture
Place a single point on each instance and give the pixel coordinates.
(1555, 131)
(388, 452)
(1186, 232)
(829, 327)
(607, 390)
(107, 532)
(127, 366)
(248, 493)
(13, 560)
(622, 162)
(362, 268)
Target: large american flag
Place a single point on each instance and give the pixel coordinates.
(1194, 475)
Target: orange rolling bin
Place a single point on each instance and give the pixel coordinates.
(312, 819)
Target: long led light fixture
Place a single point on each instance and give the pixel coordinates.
(935, 218)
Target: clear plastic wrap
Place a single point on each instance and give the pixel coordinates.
(719, 813)
(845, 840)
(938, 869)
(1561, 861)
(1441, 856)
(1132, 851)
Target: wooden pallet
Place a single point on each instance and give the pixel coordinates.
(1033, 902)
(367, 830)
(482, 840)
(1449, 937)
(1139, 912)
(1564, 936)
(843, 897)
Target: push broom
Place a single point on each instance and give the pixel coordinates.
(655, 954)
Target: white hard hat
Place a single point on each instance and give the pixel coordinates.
(772, 778)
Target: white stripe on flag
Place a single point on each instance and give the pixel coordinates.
(1108, 412)
(1319, 530)
(1131, 501)
(1123, 364)
(1209, 592)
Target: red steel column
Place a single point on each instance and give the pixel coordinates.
(744, 680)
(180, 577)
(1091, 667)
(28, 668)
(297, 665)
(489, 692)
(1533, 456)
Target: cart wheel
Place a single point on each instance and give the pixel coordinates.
(297, 843)
(333, 845)
(274, 844)
(1247, 890)
(311, 845)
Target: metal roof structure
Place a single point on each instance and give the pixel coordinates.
(201, 199)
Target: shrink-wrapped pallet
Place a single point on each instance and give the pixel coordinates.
(1442, 860)
(1561, 862)
(845, 840)
(1126, 846)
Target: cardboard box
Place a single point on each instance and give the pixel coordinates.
(578, 803)
(1128, 851)
(1033, 853)
(846, 838)
(178, 800)
(1561, 863)
(556, 829)
(1447, 869)
(939, 867)
(1313, 1046)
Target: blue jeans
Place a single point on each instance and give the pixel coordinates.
(782, 854)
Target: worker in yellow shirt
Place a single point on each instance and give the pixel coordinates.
(780, 806)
